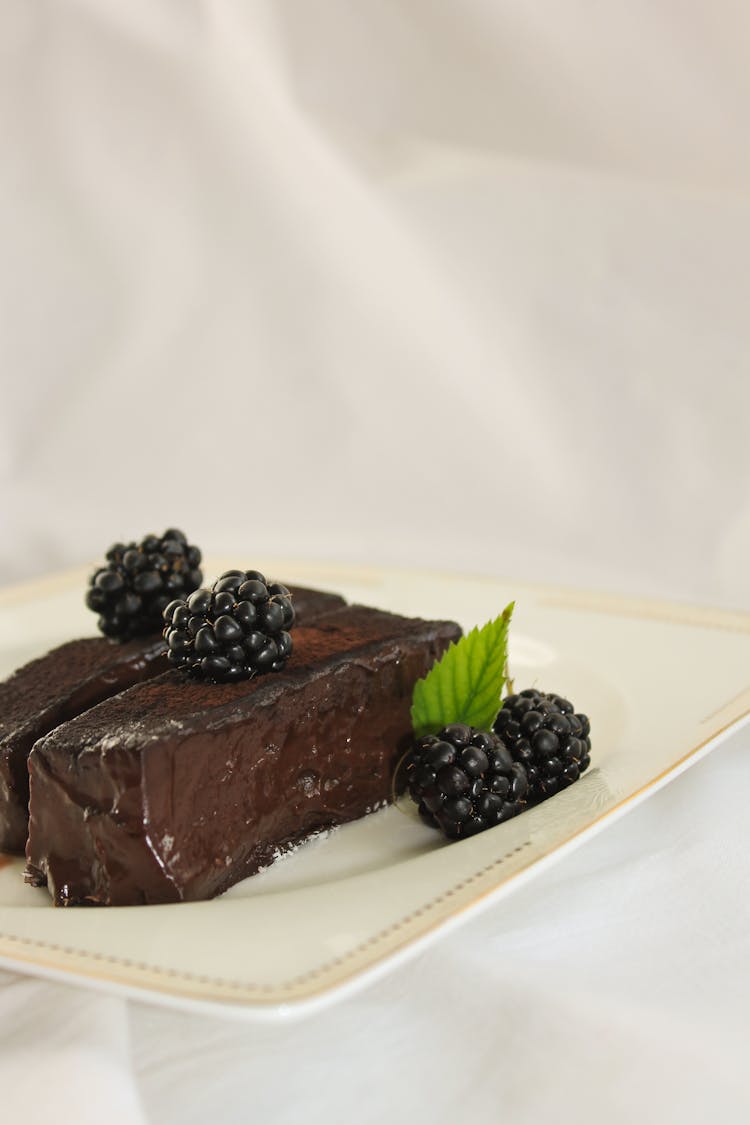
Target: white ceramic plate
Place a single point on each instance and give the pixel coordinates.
(661, 684)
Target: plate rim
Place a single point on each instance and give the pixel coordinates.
(644, 606)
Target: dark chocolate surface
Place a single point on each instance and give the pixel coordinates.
(68, 681)
(175, 790)
(47, 692)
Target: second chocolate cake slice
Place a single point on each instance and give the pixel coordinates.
(175, 790)
(68, 681)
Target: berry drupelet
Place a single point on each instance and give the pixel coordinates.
(464, 780)
(544, 733)
(236, 629)
(131, 591)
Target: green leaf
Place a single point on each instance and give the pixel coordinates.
(466, 684)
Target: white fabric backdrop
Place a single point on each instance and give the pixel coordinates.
(460, 284)
(451, 282)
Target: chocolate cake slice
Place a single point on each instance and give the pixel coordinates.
(176, 789)
(68, 681)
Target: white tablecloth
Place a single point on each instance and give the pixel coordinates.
(458, 285)
(615, 987)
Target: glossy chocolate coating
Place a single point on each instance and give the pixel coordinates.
(68, 681)
(175, 790)
(47, 692)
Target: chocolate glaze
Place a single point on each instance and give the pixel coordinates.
(50, 690)
(175, 790)
(68, 681)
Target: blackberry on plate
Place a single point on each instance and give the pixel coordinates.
(236, 629)
(138, 581)
(464, 780)
(545, 734)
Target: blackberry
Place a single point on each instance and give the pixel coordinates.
(138, 581)
(464, 780)
(236, 629)
(545, 734)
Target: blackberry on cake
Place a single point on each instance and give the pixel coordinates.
(546, 735)
(236, 629)
(138, 580)
(464, 780)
